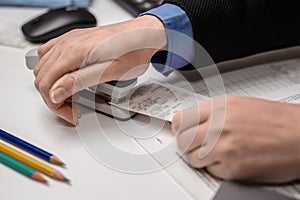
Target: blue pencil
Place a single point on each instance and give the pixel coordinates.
(30, 148)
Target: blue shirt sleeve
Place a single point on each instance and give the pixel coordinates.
(180, 50)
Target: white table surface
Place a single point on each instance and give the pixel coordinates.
(24, 113)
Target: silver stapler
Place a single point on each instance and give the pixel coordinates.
(100, 97)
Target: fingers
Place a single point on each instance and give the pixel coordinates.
(45, 62)
(57, 58)
(192, 138)
(43, 49)
(218, 171)
(74, 82)
(58, 73)
(59, 98)
(191, 117)
(60, 56)
(54, 66)
(192, 126)
(68, 112)
(195, 161)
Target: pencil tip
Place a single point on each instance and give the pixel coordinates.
(55, 160)
(63, 165)
(67, 181)
(38, 177)
(46, 183)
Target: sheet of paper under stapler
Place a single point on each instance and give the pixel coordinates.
(98, 97)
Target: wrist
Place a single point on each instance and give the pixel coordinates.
(150, 21)
(155, 32)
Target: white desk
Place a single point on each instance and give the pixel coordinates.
(24, 113)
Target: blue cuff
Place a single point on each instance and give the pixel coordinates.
(181, 49)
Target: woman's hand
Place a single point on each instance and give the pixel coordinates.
(259, 141)
(87, 57)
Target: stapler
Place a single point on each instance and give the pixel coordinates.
(100, 97)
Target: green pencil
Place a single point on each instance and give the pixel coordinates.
(21, 168)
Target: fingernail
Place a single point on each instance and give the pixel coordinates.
(58, 95)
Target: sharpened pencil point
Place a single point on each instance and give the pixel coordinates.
(56, 161)
(58, 176)
(46, 183)
(63, 165)
(38, 177)
(67, 181)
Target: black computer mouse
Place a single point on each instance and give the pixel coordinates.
(57, 22)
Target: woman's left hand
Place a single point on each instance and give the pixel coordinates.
(259, 141)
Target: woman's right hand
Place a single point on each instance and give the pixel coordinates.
(87, 57)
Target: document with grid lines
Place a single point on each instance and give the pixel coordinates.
(278, 81)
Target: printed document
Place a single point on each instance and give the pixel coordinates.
(278, 81)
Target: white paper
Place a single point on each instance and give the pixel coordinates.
(278, 81)
(160, 101)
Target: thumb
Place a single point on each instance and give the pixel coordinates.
(73, 82)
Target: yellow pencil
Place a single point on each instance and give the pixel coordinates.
(35, 164)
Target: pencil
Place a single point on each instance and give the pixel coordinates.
(30, 148)
(31, 162)
(21, 168)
